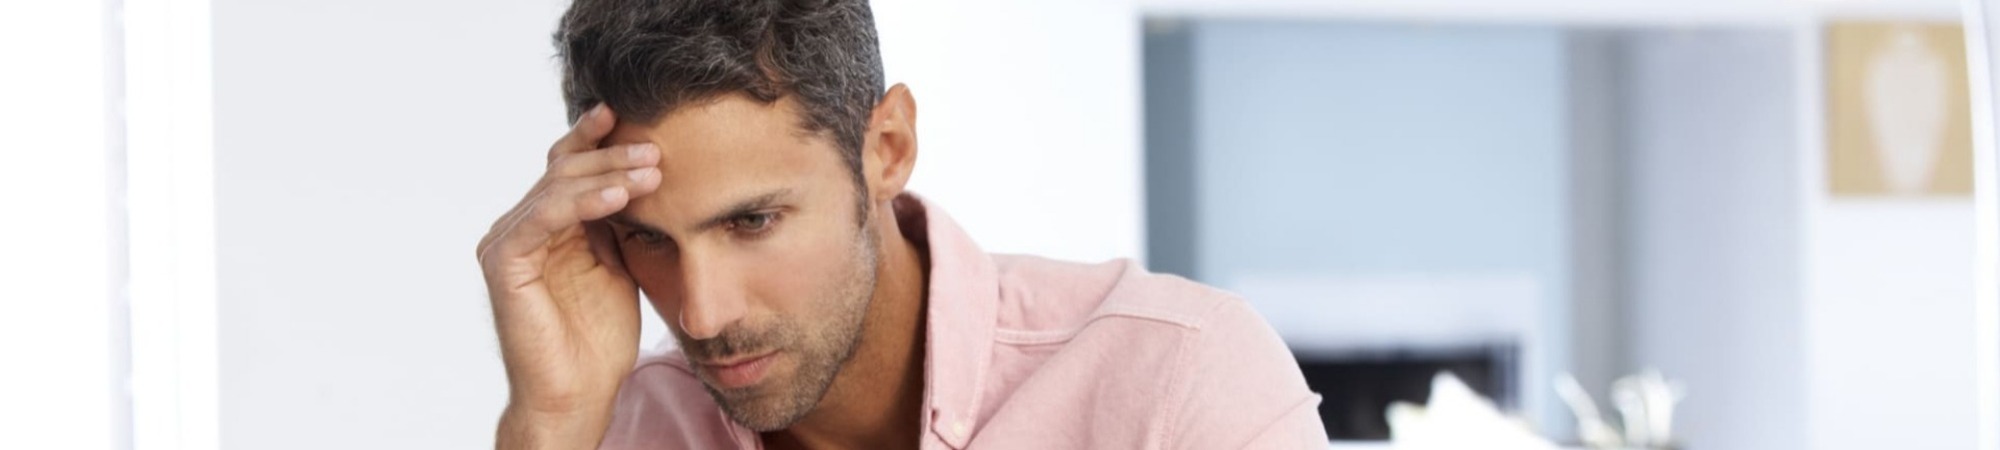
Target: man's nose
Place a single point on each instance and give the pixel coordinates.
(712, 299)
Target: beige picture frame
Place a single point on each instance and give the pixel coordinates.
(1898, 110)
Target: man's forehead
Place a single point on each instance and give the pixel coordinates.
(719, 156)
(721, 120)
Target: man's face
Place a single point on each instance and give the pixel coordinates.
(753, 251)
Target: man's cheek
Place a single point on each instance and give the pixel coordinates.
(802, 273)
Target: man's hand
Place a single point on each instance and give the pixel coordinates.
(567, 313)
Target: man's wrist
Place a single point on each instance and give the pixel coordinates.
(525, 428)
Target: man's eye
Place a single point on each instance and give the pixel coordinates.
(752, 223)
(645, 237)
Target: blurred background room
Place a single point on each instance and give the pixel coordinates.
(249, 224)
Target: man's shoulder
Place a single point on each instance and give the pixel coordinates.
(1199, 363)
(1047, 295)
(1103, 308)
(662, 405)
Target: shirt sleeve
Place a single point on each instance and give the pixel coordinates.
(1299, 428)
(1242, 388)
(662, 406)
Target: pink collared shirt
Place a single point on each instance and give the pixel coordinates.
(1031, 353)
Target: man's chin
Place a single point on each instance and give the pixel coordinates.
(735, 396)
(727, 397)
(767, 405)
(758, 409)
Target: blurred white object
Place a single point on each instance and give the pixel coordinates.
(1645, 401)
(1652, 400)
(1458, 418)
(1590, 425)
(1661, 397)
(1633, 409)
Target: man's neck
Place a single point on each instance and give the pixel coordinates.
(876, 400)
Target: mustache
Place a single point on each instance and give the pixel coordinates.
(732, 342)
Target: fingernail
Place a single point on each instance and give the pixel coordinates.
(612, 194)
(639, 151)
(597, 110)
(639, 174)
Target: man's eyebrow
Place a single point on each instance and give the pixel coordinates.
(739, 209)
(743, 208)
(627, 222)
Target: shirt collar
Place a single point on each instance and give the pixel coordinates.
(963, 298)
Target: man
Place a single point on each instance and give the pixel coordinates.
(741, 163)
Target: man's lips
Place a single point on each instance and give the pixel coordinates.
(740, 371)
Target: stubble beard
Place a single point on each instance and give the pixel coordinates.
(823, 345)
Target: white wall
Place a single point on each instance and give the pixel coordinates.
(363, 147)
(1980, 19)
(62, 385)
(1890, 325)
(1710, 243)
(1028, 115)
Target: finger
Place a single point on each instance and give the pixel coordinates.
(511, 220)
(593, 162)
(507, 222)
(571, 202)
(598, 196)
(586, 133)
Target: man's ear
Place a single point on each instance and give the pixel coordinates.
(889, 151)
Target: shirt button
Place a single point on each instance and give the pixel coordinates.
(958, 429)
